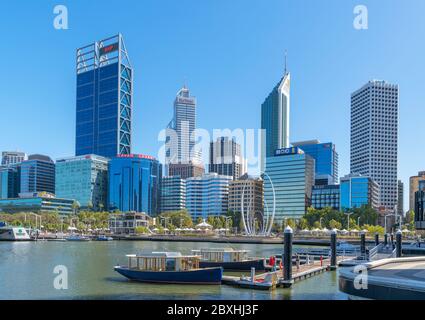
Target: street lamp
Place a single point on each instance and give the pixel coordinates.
(320, 222)
(348, 213)
(358, 221)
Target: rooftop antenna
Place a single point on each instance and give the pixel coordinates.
(286, 58)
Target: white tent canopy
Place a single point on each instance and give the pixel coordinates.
(204, 225)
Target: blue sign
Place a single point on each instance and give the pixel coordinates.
(287, 151)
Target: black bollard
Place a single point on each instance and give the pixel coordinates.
(376, 239)
(392, 240)
(333, 249)
(386, 239)
(398, 244)
(363, 244)
(287, 254)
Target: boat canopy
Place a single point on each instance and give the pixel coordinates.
(163, 261)
(222, 254)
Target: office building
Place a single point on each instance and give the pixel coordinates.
(186, 170)
(10, 181)
(326, 160)
(84, 179)
(37, 202)
(173, 194)
(128, 222)
(134, 184)
(413, 187)
(400, 198)
(37, 174)
(420, 206)
(104, 98)
(288, 183)
(12, 157)
(180, 134)
(374, 137)
(275, 117)
(226, 158)
(207, 195)
(251, 190)
(357, 190)
(325, 196)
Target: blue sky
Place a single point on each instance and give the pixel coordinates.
(231, 54)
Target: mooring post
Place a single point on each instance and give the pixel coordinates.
(398, 244)
(287, 257)
(392, 240)
(363, 244)
(376, 239)
(333, 250)
(386, 239)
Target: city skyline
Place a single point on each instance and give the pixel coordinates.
(304, 116)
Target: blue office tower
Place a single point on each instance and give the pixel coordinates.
(104, 98)
(37, 174)
(326, 159)
(357, 190)
(134, 184)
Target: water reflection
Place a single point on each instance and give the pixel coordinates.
(26, 271)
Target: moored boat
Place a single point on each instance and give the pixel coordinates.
(230, 259)
(103, 238)
(77, 237)
(10, 233)
(169, 267)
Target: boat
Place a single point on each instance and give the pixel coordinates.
(77, 237)
(230, 259)
(268, 282)
(169, 267)
(10, 233)
(103, 238)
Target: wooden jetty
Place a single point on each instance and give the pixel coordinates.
(299, 273)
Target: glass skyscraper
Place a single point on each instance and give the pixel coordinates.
(288, 183)
(135, 183)
(275, 118)
(326, 159)
(37, 174)
(207, 195)
(357, 190)
(84, 179)
(173, 194)
(10, 180)
(104, 98)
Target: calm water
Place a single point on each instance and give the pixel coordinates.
(26, 272)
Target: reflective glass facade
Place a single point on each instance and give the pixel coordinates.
(134, 184)
(325, 156)
(10, 180)
(358, 190)
(291, 177)
(37, 204)
(84, 179)
(173, 194)
(275, 117)
(325, 196)
(207, 195)
(104, 99)
(37, 174)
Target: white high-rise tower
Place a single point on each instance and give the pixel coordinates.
(374, 137)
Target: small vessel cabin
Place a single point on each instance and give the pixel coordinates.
(222, 255)
(163, 261)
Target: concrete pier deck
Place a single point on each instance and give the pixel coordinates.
(386, 279)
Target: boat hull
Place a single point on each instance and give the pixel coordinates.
(258, 264)
(198, 276)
